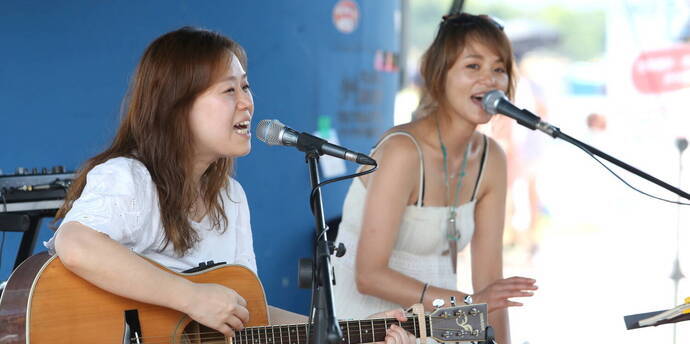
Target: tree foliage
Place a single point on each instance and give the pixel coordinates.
(582, 30)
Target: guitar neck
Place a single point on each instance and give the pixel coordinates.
(354, 332)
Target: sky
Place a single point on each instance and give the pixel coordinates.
(579, 4)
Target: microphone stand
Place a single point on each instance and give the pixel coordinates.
(533, 122)
(326, 329)
(677, 273)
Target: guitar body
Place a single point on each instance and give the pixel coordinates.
(45, 303)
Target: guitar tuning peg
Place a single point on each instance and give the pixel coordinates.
(452, 301)
(438, 303)
(468, 299)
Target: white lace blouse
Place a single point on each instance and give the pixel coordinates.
(120, 200)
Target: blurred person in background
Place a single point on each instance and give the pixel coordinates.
(523, 150)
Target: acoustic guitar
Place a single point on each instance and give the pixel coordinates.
(43, 302)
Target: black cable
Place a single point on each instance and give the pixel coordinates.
(576, 144)
(2, 241)
(312, 309)
(2, 246)
(312, 197)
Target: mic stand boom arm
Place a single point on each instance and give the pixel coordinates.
(554, 132)
(325, 329)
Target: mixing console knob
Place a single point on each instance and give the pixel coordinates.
(21, 170)
(44, 171)
(58, 169)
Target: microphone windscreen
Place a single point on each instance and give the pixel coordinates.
(491, 99)
(268, 131)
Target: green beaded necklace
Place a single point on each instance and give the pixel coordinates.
(452, 232)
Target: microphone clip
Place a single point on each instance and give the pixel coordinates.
(309, 143)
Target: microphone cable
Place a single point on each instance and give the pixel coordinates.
(621, 178)
(491, 102)
(312, 197)
(312, 200)
(2, 241)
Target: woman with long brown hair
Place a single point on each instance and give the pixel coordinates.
(163, 189)
(440, 185)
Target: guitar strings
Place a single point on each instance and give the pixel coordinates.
(258, 334)
(253, 338)
(298, 334)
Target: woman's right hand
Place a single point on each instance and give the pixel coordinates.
(217, 307)
(498, 293)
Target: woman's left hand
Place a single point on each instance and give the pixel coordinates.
(396, 334)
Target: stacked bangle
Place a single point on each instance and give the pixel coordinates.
(421, 298)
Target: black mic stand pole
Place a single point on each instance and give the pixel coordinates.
(325, 329)
(536, 123)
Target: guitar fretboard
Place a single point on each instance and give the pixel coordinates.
(354, 332)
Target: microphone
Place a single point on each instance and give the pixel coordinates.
(274, 133)
(495, 102)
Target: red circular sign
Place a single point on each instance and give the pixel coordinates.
(346, 16)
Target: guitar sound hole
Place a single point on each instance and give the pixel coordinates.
(195, 333)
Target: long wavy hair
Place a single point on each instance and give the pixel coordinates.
(454, 33)
(174, 70)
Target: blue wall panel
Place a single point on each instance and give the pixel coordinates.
(65, 66)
